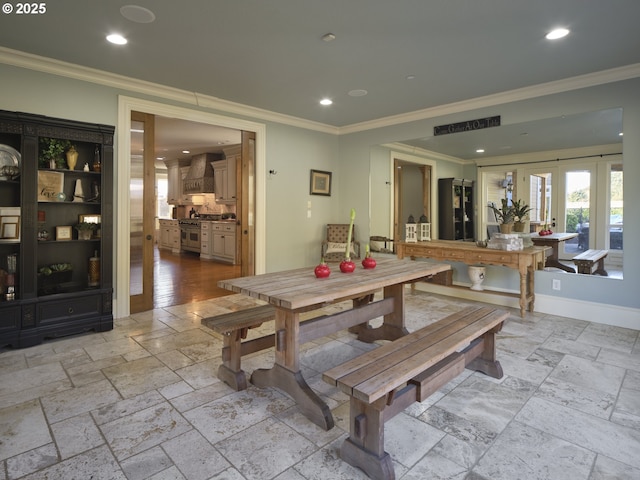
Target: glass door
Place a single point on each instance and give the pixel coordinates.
(542, 199)
(579, 209)
(143, 212)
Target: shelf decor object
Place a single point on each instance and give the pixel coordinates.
(63, 233)
(50, 185)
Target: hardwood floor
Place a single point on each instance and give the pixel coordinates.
(184, 278)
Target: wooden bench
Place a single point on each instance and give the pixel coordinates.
(386, 380)
(586, 260)
(234, 327)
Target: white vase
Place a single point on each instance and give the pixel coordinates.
(476, 275)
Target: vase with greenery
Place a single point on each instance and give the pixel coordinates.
(52, 152)
(521, 212)
(504, 215)
(85, 230)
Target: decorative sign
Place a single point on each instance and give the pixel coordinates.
(467, 126)
(50, 185)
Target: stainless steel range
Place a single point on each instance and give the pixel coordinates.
(190, 234)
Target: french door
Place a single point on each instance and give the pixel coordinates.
(563, 198)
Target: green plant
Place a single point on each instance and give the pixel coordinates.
(505, 214)
(53, 149)
(520, 210)
(86, 226)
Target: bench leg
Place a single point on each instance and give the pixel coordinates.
(480, 355)
(600, 270)
(230, 372)
(364, 448)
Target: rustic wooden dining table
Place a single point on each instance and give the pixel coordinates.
(554, 240)
(294, 292)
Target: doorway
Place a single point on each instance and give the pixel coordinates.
(252, 226)
(161, 280)
(411, 194)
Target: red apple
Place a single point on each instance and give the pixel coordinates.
(347, 266)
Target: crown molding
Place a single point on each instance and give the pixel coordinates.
(526, 93)
(56, 67)
(79, 72)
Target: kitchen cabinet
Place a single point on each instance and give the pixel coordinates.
(455, 209)
(223, 242)
(63, 283)
(225, 176)
(169, 235)
(206, 240)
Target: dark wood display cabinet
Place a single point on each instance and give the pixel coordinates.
(455, 209)
(55, 280)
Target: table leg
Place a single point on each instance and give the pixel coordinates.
(393, 325)
(523, 290)
(286, 375)
(552, 260)
(294, 384)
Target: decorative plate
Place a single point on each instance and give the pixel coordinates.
(9, 162)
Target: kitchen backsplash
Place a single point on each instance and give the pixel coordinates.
(208, 207)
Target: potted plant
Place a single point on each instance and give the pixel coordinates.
(52, 152)
(505, 215)
(85, 230)
(520, 212)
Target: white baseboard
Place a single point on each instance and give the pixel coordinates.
(564, 307)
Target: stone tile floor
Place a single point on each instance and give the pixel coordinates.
(143, 402)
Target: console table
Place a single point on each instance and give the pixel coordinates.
(526, 261)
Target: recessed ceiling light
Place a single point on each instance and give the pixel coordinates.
(357, 93)
(621, 134)
(411, 77)
(117, 39)
(186, 151)
(137, 14)
(326, 101)
(328, 37)
(557, 33)
(480, 150)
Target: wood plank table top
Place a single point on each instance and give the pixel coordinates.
(299, 289)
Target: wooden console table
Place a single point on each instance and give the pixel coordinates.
(526, 261)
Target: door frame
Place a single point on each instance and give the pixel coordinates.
(396, 230)
(122, 174)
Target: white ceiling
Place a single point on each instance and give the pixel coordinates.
(270, 54)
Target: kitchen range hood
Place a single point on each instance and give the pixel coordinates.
(199, 178)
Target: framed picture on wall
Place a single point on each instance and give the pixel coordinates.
(320, 183)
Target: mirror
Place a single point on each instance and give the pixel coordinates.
(519, 143)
